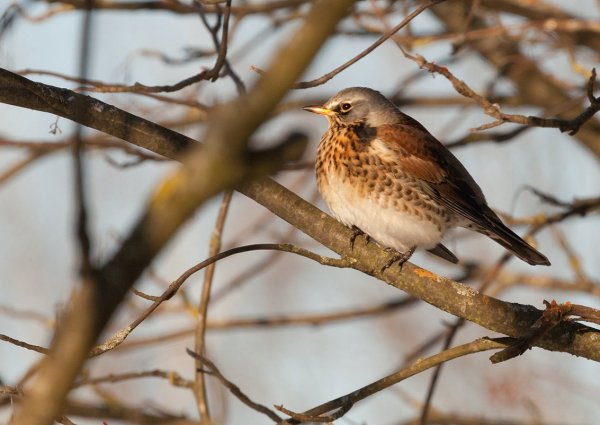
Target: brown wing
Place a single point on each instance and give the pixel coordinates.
(423, 156)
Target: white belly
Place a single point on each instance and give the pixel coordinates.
(376, 215)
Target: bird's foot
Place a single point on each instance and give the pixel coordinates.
(400, 257)
(356, 232)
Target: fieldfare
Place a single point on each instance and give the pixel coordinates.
(382, 173)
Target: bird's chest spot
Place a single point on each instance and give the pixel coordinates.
(345, 158)
(344, 155)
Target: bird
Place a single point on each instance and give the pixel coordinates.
(383, 174)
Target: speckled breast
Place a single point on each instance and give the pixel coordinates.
(371, 192)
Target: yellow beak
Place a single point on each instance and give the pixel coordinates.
(319, 110)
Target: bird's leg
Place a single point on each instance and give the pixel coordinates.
(400, 257)
(356, 232)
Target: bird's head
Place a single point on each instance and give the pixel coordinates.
(357, 105)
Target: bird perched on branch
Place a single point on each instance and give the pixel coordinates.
(382, 173)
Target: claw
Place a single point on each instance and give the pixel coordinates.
(400, 257)
(356, 232)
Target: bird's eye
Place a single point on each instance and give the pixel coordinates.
(345, 107)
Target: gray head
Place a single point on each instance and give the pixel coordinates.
(358, 105)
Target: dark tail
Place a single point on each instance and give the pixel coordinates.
(444, 253)
(511, 241)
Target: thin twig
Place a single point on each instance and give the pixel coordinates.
(81, 221)
(346, 401)
(493, 109)
(259, 226)
(221, 46)
(309, 319)
(211, 369)
(23, 344)
(199, 346)
(578, 207)
(21, 165)
(173, 377)
(18, 313)
(178, 7)
(323, 79)
(118, 338)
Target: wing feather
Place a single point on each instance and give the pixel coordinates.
(447, 181)
(424, 157)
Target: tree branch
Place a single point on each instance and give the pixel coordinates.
(342, 404)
